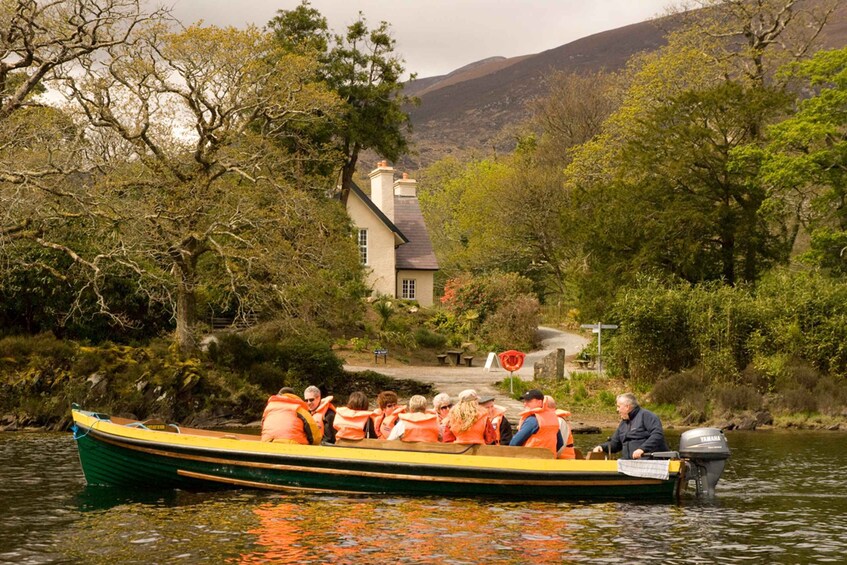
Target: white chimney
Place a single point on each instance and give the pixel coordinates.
(382, 190)
(405, 186)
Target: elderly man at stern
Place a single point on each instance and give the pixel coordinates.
(639, 432)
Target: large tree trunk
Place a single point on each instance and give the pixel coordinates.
(185, 265)
(186, 316)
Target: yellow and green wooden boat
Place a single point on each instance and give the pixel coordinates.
(120, 452)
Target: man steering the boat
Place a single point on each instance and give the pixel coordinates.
(639, 432)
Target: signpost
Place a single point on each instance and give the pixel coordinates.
(597, 329)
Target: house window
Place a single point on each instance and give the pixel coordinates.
(409, 289)
(363, 246)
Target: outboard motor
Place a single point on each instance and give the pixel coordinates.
(706, 451)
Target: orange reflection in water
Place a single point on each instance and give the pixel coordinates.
(352, 530)
(279, 534)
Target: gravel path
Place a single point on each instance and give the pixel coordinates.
(453, 380)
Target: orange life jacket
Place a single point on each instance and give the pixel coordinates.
(548, 427)
(320, 412)
(286, 418)
(476, 433)
(496, 419)
(420, 426)
(384, 421)
(567, 451)
(350, 424)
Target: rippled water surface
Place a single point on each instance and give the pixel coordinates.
(782, 499)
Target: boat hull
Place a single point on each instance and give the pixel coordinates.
(119, 455)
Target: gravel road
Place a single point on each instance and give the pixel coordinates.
(453, 380)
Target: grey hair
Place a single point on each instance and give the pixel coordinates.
(312, 389)
(628, 398)
(441, 399)
(417, 403)
(468, 394)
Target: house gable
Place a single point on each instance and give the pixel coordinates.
(400, 258)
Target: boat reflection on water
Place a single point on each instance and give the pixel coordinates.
(351, 530)
(94, 498)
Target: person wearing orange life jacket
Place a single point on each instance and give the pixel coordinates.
(387, 413)
(441, 406)
(567, 451)
(354, 421)
(416, 424)
(469, 423)
(497, 414)
(539, 426)
(322, 411)
(286, 419)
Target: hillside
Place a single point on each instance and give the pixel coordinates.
(465, 110)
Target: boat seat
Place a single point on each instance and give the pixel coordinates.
(592, 456)
(455, 448)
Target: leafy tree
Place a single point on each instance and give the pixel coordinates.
(753, 39)
(38, 145)
(806, 158)
(573, 112)
(197, 191)
(363, 69)
(703, 208)
(652, 215)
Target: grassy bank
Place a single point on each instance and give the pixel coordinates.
(41, 376)
(590, 397)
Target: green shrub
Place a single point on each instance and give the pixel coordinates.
(732, 398)
(427, 338)
(653, 335)
(497, 309)
(606, 398)
(831, 395)
(686, 391)
(513, 325)
(799, 400)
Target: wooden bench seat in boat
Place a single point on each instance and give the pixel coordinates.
(459, 449)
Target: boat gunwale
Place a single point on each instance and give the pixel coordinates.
(421, 464)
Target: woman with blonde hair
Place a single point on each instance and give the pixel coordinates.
(469, 423)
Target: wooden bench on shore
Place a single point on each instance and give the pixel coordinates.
(585, 363)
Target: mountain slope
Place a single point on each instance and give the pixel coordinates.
(464, 111)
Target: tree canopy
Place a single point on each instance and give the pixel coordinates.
(361, 66)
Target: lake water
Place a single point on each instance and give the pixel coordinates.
(782, 499)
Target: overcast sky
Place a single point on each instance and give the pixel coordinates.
(438, 36)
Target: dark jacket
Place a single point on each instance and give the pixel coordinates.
(505, 431)
(643, 430)
(329, 429)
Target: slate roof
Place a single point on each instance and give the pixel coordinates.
(379, 214)
(417, 254)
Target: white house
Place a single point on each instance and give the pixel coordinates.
(393, 240)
